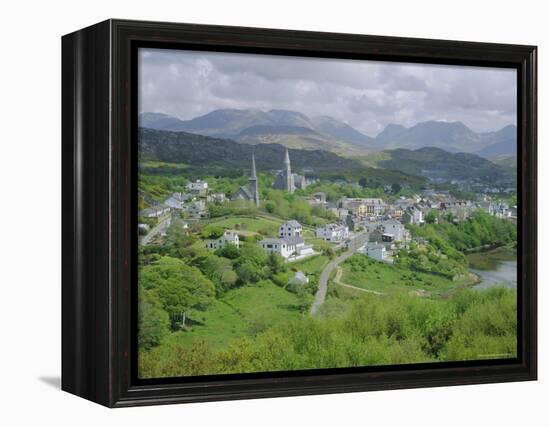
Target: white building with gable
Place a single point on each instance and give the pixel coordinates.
(290, 228)
(332, 232)
(228, 238)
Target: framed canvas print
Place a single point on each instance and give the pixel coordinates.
(259, 213)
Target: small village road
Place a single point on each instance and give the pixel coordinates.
(159, 228)
(321, 294)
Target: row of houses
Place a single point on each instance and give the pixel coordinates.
(289, 243)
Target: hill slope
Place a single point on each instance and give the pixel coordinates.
(440, 165)
(207, 155)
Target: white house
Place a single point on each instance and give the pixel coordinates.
(144, 227)
(332, 232)
(278, 245)
(228, 238)
(396, 229)
(290, 229)
(375, 251)
(288, 247)
(216, 197)
(198, 187)
(155, 211)
(413, 215)
(417, 216)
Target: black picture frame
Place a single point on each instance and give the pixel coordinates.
(99, 201)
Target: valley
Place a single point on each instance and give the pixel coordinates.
(264, 257)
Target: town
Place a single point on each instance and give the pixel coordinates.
(228, 258)
(381, 222)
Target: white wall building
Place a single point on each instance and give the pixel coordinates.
(287, 247)
(375, 251)
(396, 229)
(216, 197)
(417, 216)
(228, 238)
(155, 211)
(332, 232)
(198, 187)
(290, 229)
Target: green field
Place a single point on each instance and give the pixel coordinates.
(314, 264)
(388, 279)
(255, 224)
(488, 260)
(154, 164)
(241, 312)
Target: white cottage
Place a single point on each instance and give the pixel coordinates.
(287, 247)
(290, 229)
(375, 251)
(396, 229)
(332, 232)
(228, 238)
(198, 187)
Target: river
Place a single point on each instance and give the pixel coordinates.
(505, 274)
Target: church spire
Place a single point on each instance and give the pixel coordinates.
(287, 158)
(287, 173)
(253, 172)
(253, 183)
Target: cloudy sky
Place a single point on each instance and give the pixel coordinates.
(367, 95)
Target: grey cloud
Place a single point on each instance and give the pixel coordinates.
(365, 94)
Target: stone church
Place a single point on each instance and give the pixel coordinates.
(288, 181)
(249, 192)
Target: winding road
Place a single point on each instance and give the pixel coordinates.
(159, 228)
(355, 243)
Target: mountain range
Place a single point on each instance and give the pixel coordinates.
(296, 130)
(289, 128)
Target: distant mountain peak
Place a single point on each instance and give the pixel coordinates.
(288, 127)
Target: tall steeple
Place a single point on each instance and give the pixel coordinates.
(253, 171)
(287, 159)
(287, 174)
(253, 183)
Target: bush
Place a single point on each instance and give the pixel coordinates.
(153, 321)
(363, 332)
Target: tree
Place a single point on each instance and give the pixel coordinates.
(219, 270)
(270, 207)
(178, 240)
(180, 288)
(229, 251)
(212, 232)
(431, 217)
(276, 263)
(395, 188)
(248, 272)
(153, 321)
